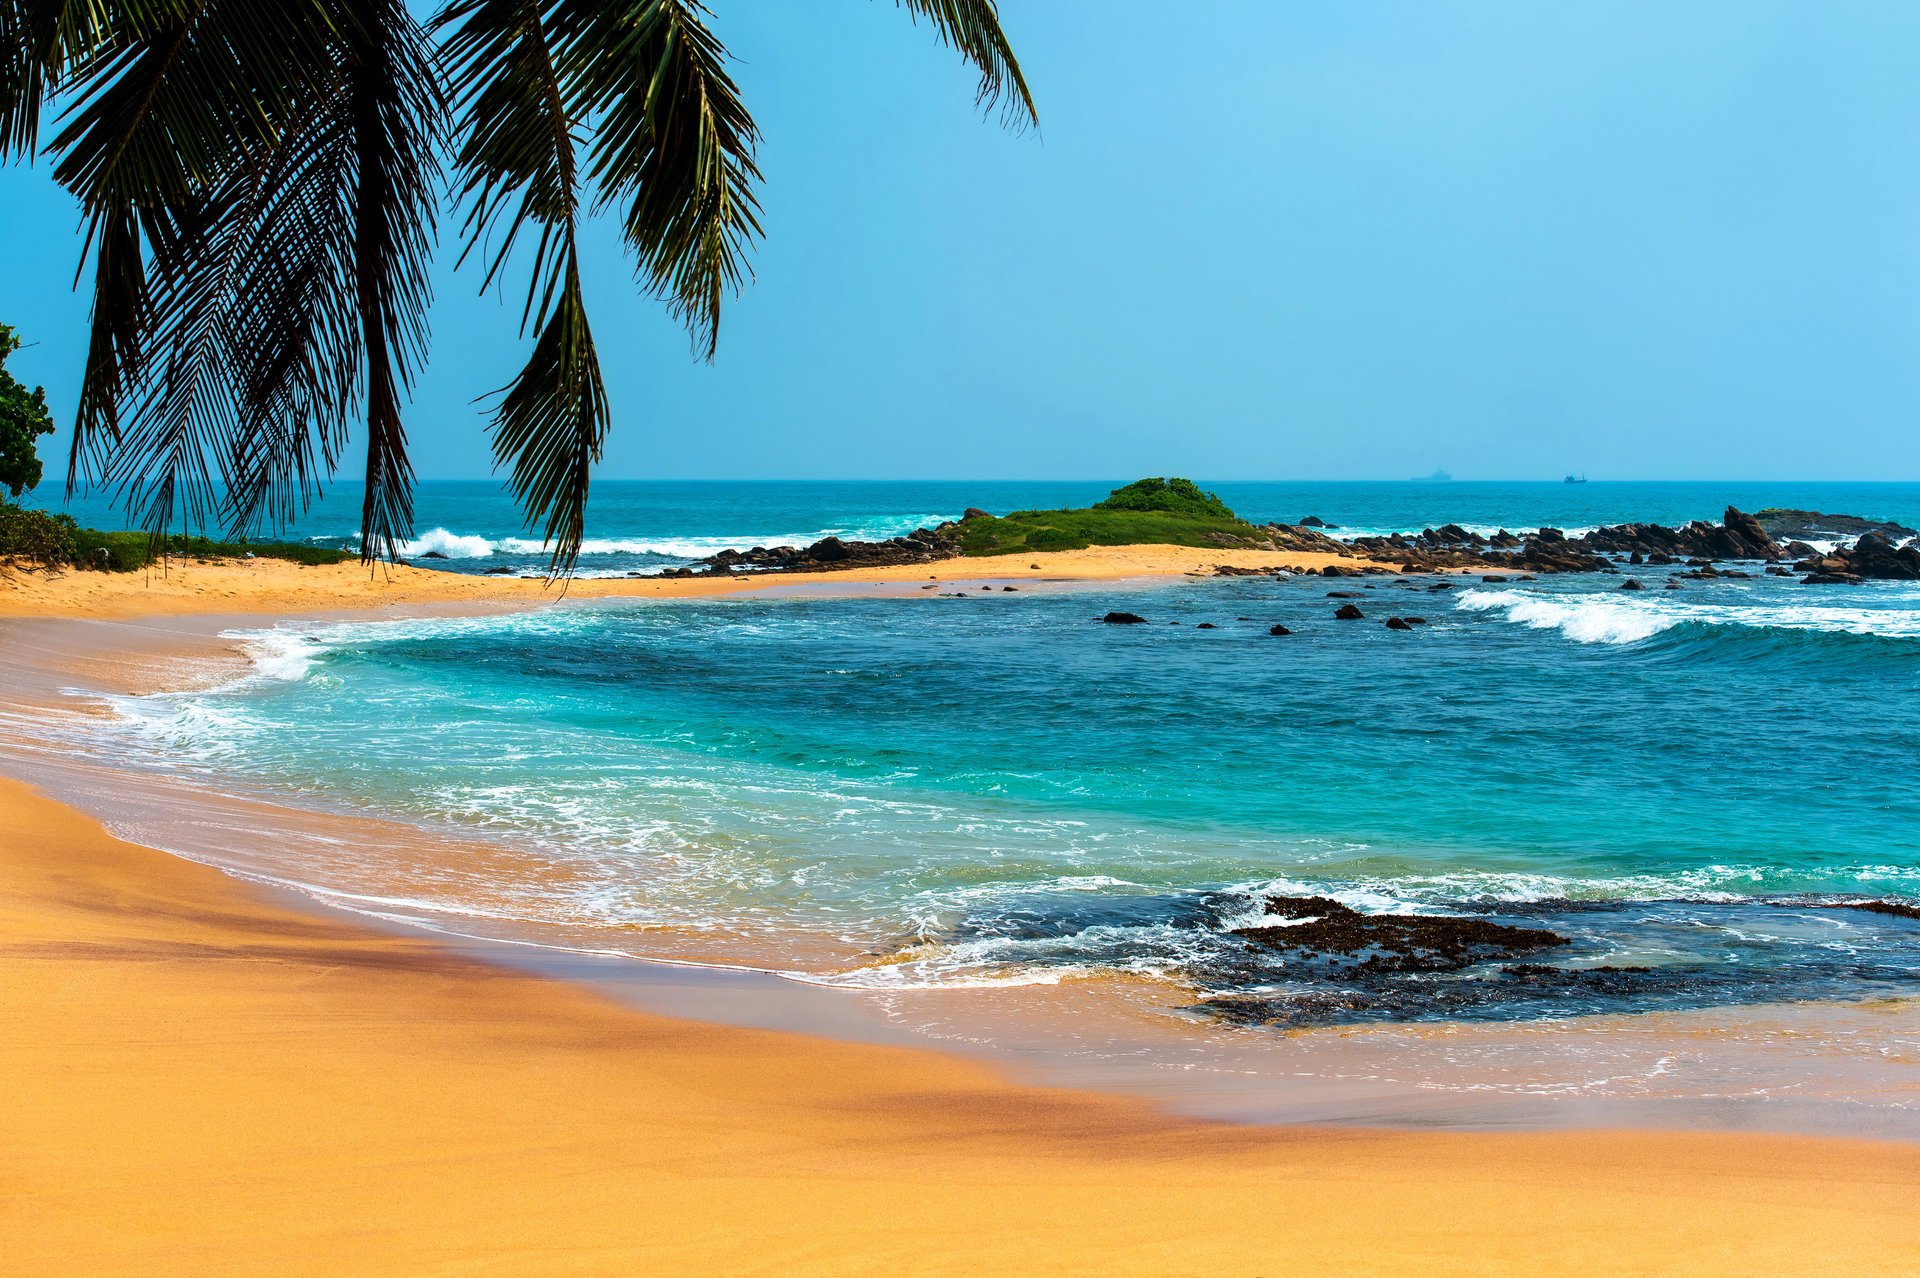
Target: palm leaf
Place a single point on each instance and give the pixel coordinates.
(972, 27)
(518, 158)
(672, 142)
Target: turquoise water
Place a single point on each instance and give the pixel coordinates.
(647, 526)
(928, 790)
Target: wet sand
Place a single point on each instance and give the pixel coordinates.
(204, 1079)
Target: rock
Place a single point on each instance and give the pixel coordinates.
(1832, 579)
(1631, 584)
(1009, 589)
(1124, 619)
(1348, 612)
(1033, 565)
(1415, 621)
(1314, 521)
(1279, 630)
(433, 554)
(1398, 623)
(499, 572)
(1636, 558)
(1335, 570)
(1898, 909)
(1343, 594)
(973, 512)
(1873, 555)
(1799, 525)
(1206, 625)
(1319, 927)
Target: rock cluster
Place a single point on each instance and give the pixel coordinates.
(923, 545)
(1872, 555)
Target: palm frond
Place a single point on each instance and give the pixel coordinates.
(552, 421)
(397, 110)
(520, 171)
(672, 142)
(972, 27)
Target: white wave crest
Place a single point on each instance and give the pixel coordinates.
(1582, 618)
(1618, 619)
(451, 544)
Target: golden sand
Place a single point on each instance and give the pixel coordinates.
(196, 1079)
(273, 585)
(199, 1081)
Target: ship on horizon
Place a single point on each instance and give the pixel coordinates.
(1574, 479)
(1437, 477)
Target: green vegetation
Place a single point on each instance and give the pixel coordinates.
(1172, 496)
(23, 419)
(54, 542)
(1151, 512)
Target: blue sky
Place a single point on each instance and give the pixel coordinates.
(1257, 239)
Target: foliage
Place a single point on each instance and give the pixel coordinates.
(1035, 530)
(53, 542)
(1175, 496)
(1147, 512)
(34, 537)
(261, 184)
(23, 419)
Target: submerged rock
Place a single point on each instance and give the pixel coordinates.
(1398, 623)
(1321, 927)
(1348, 612)
(1124, 619)
(1279, 630)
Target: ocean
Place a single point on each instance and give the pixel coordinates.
(971, 789)
(645, 526)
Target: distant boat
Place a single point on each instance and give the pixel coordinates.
(1437, 477)
(1574, 479)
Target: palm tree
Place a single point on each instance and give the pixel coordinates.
(260, 182)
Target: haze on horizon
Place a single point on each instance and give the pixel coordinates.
(1263, 240)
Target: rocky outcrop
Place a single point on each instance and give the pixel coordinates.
(1321, 928)
(1124, 619)
(922, 546)
(1737, 536)
(1811, 525)
(1871, 557)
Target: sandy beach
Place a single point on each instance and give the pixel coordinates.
(207, 1080)
(276, 586)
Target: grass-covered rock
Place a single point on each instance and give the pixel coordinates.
(1150, 512)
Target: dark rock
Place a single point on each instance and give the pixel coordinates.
(1009, 589)
(1899, 909)
(499, 572)
(1802, 524)
(1832, 579)
(1415, 621)
(973, 512)
(1124, 619)
(1279, 630)
(1398, 623)
(1321, 927)
(1348, 612)
(432, 554)
(1343, 594)
(1314, 521)
(1631, 584)
(1206, 625)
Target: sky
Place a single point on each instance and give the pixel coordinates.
(1255, 239)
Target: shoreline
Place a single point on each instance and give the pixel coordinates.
(210, 1076)
(205, 1062)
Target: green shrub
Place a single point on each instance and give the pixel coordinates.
(1173, 496)
(54, 541)
(35, 538)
